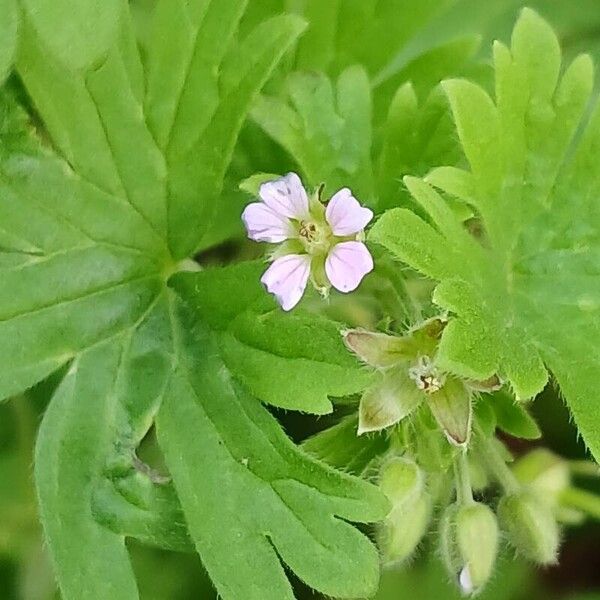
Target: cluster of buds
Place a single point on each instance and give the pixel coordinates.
(437, 426)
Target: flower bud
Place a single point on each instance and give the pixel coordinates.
(403, 483)
(543, 470)
(469, 544)
(530, 526)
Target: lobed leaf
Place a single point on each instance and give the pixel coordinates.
(274, 502)
(326, 128)
(292, 361)
(196, 109)
(526, 296)
(90, 561)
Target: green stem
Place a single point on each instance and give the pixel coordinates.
(582, 500)
(495, 463)
(584, 468)
(464, 492)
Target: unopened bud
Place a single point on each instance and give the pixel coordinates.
(469, 544)
(530, 526)
(403, 482)
(543, 470)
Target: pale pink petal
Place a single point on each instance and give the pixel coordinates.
(286, 278)
(286, 196)
(264, 225)
(347, 264)
(345, 215)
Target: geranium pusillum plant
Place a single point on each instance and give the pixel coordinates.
(316, 241)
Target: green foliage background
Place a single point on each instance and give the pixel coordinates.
(396, 42)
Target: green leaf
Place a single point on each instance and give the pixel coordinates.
(524, 294)
(416, 136)
(86, 449)
(348, 32)
(221, 294)
(289, 360)
(140, 508)
(326, 128)
(274, 502)
(8, 36)
(200, 88)
(513, 418)
(342, 447)
(78, 34)
(101, 134)
(90, 264)
(183, 60)
(90, 561)
(83, 279)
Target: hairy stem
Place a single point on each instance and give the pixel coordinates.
(464, 492)
(495, 464)
(582, 500)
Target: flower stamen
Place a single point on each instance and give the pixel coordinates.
(308, 231)
(427, 376)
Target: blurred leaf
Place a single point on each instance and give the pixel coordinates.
(325, 128)
(8, 36)
(347, 32)
(513, 418)
(415, 138)
(78, 34)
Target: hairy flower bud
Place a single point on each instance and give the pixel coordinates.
(403, 482)
(469, 544)
(543, 470)
(530, 526)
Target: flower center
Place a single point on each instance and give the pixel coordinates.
(308, 231)
(314, 236)
(427, 376)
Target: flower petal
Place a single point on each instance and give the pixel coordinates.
(285, 196)
(264, 225)
(345, 215)
(286, 278)
(347, 264)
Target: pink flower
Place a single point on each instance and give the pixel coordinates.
(323, 243)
